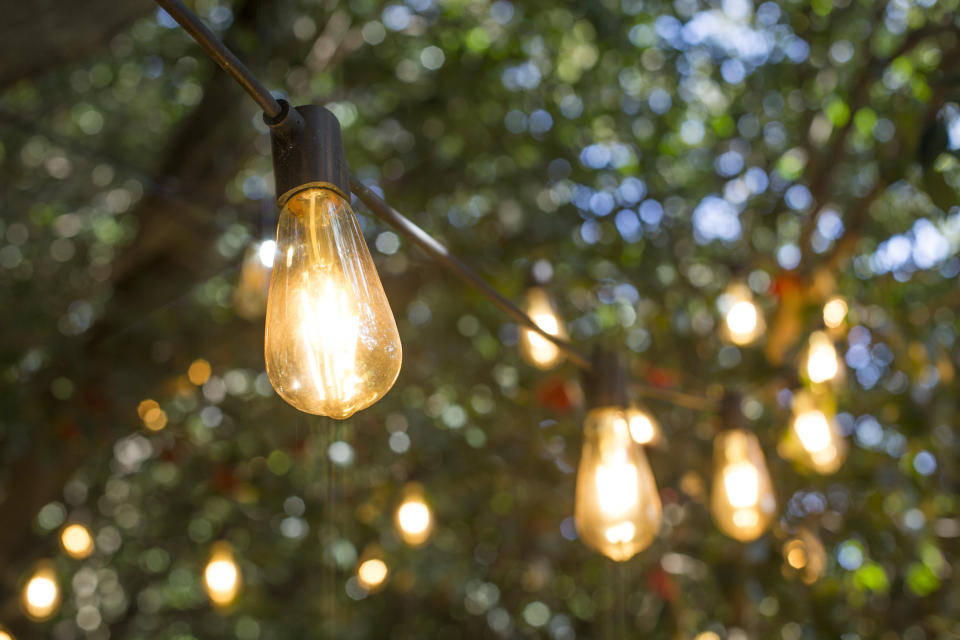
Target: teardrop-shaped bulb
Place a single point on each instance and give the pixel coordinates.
(822, 363)
(331, 344)
(617, 507)
(534, 348)
(743, 321)
(743, 503)
(814, 439)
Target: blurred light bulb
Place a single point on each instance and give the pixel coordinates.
(834, 312)
(805, 554)
(4, 635)
(822, 363)
(742, 503)
(250, 295)
(814, 440)
(743, 322)
(76, 541)
(414, 520)
(644, 428)
(331, 345)
(617, 507)
(221, 576)
(40, 597)
(371, 573)
(534, 348)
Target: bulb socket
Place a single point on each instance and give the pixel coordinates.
(307, 151)
(605, 385)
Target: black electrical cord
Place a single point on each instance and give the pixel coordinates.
(274, 110)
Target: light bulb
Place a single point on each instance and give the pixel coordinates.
(742, 503)
(414, 519)
(76, 541)
(644, 428)
(617, 507)
(372, 573)
(221, 576)
(834, 312)
(814, 440)
(805, 554)
(5, 635)
(822, 362)
(534, 348)
(40, 597)
(331, 345)
(743, 322)
(250, 296)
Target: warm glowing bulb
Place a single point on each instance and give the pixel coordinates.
(5, 636)
(617, 506)
(742, 320)
(250, 296)
(331, 345)
(76, 541)
(743, 503)
(221, 576)
(41, 595)
(414, 520)
(814, 440)
(823, 363)
(534, 348)
(805, 554)
(834, 312)
(371, 573)
(644, 428)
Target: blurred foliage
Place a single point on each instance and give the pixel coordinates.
(651, 152)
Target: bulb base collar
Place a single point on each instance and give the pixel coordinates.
(307, 151)
(605, 385)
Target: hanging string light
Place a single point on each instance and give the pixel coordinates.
(804, 555)
(414, 519)
(644, 428)
(250, 296)
(372, 573)
(40, 596)
(221, 576)
(742, 500)
(743, 321)
(814, 440)
(535, 349)
(76, 541)
(821, 364)
(617, 507)
(5, 635)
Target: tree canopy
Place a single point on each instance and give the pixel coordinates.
(649, 153)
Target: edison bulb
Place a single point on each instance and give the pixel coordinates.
(331, 345)
(834, 312)
(40, 597)
(534, 348)
(372, 573)
(742, 503)
(822, 362)
(414, 519)
(617, 507)
(221, 576)
(76, 541)
(743, 322)
(644, 428)
(814, 439)
(250, 296)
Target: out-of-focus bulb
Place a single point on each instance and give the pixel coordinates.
(76, 541)
(834, 312)
(221, 576)
(331, 345)
(742, 503)
(371, 573)
(4, 635)
(743, 322)
(414, 519)
(250, 296)
(814, 439)
(534, 348)
(644, 428)
(617, 507)
(822, 362)
(40, 597)
(805, 554)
